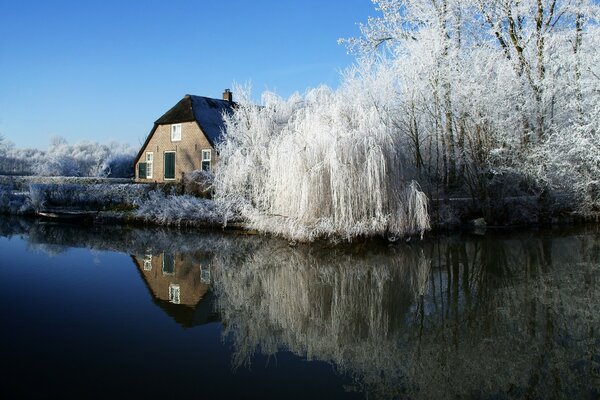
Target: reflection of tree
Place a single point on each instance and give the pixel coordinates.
(494, 316)
(293, 298)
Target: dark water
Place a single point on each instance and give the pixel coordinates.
(103, 312)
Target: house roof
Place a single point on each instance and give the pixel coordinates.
(207, 112)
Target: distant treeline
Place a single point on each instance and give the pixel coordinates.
(84, 158)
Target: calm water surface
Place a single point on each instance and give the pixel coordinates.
(105, 311)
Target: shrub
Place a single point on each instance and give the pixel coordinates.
(198, 183)
(178, 210)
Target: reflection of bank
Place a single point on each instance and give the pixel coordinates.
(180, 284)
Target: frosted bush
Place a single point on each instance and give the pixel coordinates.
(571, 163)
(58, 166)
(198, 183)
(178, 210)
(117, 166)
(12, 202)
(38, 197)
(96, 196)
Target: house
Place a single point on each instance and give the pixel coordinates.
(183, 139)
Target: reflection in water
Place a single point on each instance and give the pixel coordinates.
(503, 316)
(507, 317)
(179, 286)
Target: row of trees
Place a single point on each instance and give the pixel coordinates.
(482, 99)
(83, 158)
(493, 90)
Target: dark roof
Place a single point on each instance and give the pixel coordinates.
(180, 112)
(207, 112)
(209, 115)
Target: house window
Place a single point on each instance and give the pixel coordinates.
(149, 162)
(175, 132)
(174, 293)
(206, 159)
(204, 275)
(169, 165)
(168, 267)
(148, 262)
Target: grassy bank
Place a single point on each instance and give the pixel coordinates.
(115, 202)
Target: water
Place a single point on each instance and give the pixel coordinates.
(107, 311)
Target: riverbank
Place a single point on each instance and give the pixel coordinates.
(112, 202)
(109, 202)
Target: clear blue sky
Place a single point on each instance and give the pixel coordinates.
(105, 70)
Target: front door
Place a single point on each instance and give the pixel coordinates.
(169, 165)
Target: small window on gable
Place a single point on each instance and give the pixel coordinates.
(206, 160)
(175, 132)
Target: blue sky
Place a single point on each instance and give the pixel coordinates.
(105, 70)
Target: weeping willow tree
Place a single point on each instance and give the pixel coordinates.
(323, 164)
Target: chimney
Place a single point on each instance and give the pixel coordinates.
(228, 96)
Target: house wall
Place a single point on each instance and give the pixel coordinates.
(188, 151)
(186, 274)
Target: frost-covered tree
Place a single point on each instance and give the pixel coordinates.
(5, 145)
(492, 89)
(322, 164)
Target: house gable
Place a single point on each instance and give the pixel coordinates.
(188, 151)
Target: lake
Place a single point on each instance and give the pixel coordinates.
(113, 311)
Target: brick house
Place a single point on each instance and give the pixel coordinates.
(183, 139)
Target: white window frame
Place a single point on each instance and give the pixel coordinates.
(175, 132)
(205, 275)
(174, 293)
(204, 158)
(149, 164)
(174, 166)
(148, 262)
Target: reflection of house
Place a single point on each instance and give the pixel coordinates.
(180, 285)
(183, 139)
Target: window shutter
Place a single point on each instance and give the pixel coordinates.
(142, 170)
(168, 263)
